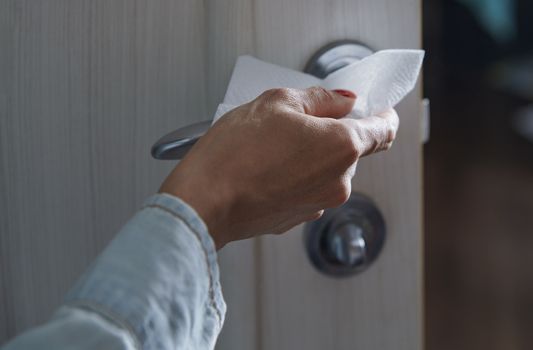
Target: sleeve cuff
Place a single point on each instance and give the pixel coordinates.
(182, 211)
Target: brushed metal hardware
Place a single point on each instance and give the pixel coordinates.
(177, 143)
(335, 56)
(346, 240)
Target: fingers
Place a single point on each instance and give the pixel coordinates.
(375, 133)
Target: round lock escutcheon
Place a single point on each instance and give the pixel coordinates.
(346, 240)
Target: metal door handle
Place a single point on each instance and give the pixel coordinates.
(346, 245)
(328, 59)
(346, 240)
(177, 143)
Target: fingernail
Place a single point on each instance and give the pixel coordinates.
(345, 93)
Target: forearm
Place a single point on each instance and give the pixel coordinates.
(157, 281)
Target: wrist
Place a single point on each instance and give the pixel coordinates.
(208, 202)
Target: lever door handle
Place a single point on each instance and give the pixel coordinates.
(177, 143)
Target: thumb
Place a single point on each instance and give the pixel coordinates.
(320, 102)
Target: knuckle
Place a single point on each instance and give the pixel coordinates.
(352, 149)
(348, 140)
(390, 136)
(391, 126)
(317, 94)
(280, 93)
(341, 194)
(279, 97)
(391, 133)
(315, 216)
(318, 215)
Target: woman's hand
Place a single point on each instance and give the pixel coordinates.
(277, 161)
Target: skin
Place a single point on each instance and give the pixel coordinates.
(277, 161)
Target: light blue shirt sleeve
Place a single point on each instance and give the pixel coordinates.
(155, 286)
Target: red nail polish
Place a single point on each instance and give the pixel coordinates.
(345, 93)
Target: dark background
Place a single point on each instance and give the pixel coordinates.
(479, 175)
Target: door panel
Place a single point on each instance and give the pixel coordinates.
(297, 307)
(87, 86)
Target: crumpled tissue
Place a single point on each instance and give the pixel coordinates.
(380, 80)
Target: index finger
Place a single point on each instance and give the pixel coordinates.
(375, 133)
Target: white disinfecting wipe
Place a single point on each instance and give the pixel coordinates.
(380, 81)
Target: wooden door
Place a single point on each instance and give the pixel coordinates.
(87, 86)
